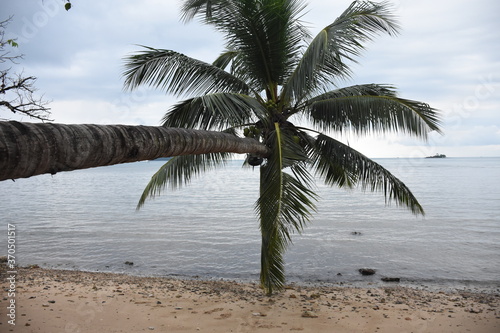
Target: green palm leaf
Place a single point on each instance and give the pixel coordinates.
(178, 74)
(225, 59)
(325, 59)
(213, 111)
(266, 35)
(371, 108)
(202, 8)
(343, 166)
(284, 206)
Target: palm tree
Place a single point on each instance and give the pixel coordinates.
(272, 72)
(28, 149)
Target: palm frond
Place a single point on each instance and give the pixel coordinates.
(225, 59)
(371, 108)
(203, 8)
(341, 165)
(179, 171)
(326, 58)
(178, 74)
(266, 34)
(238, 68)
(284, 206)
(213, 111)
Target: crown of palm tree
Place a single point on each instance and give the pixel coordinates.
(272, 70)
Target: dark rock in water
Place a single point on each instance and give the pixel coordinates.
(339, 274)
(356, 233)
(366, 271)
(391, 279)
(129, 263)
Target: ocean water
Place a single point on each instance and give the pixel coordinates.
(87, 220)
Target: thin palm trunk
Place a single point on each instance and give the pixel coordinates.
(272, 265)
(28, 149)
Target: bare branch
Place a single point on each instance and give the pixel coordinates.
(17, 93)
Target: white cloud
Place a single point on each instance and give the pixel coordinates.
(120, 111)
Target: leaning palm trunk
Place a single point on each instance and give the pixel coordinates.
(28, 149)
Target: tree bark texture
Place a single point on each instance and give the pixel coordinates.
(29, 149)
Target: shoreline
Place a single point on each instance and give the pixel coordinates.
(51, 300)
(370, 281)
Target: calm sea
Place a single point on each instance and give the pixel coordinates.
(87, 220)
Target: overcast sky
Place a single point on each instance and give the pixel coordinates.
(448, 55)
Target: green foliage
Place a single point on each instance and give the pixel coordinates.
(178, 74)
(339, 164)
(284, 206)
(215, 111)
(371, 108)
(272, 69)
(12, 42)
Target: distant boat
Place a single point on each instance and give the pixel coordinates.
(437, 156)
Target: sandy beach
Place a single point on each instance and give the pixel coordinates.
(49, 300)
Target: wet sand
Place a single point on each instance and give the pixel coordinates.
(73, 301)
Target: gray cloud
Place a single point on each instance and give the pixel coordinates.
(448, 54)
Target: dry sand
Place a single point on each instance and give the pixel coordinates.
(74, 301)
